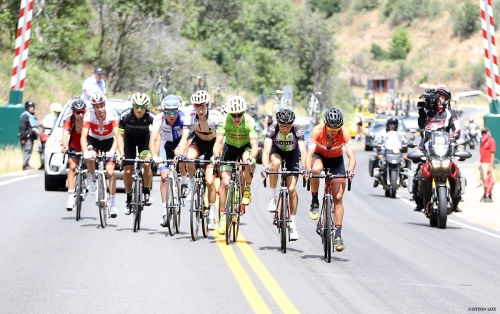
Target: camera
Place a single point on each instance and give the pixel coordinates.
(429, 98)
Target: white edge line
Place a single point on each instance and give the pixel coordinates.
(456, 222)
(17, 179)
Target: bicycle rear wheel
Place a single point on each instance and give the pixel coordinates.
(78, 195)
(328, 231)
(137, 203)
(194, 212)
(101, 201)
(203, 213)
(283, 221)
(177, 211)
(157, 93)
(171, 208)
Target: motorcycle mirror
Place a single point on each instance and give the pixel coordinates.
(463, 155)
(411, 144)
(465, 142)
(412, 137)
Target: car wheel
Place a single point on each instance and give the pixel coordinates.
(54, 183)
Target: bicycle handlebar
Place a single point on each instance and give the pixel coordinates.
(328, 177)
(285, 172)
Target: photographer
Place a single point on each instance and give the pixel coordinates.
(434, 114)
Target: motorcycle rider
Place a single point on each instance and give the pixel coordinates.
(438, 116)
(391, 125)
(471, 127)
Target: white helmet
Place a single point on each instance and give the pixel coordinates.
(235, 104)
(200, 97)
(55, 107)
(140, 99)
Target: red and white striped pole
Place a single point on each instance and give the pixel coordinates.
(21, 53)
(490, 53)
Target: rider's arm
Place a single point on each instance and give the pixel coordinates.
(311, 148)
(303, 152)
(268, 143)
(153, 145)
(255, 147)
(422, 118)
(454, 124)
(115, 139)
(85, 132)
(254, 143)
(219, 142)
(349, 151)
(184, 140)
(65, 139)
(121, 143)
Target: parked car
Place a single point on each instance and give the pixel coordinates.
(411, 122)
(377, 126)
(55, 170)
(353, 126)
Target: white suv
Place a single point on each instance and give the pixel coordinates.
(55, 170)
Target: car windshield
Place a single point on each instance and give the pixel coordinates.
(377, 126)
(119, 108)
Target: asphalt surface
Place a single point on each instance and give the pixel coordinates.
(394, 262)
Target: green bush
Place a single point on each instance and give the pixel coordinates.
(367, 5)
(327, 6)
(378, 53)
(389, 6)
(467, 21)
(400, 45)
(478, 76)
(402, 11)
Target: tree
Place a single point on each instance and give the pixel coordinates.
(327, 6)
(378, 53)
(400, 45)
(467, 21)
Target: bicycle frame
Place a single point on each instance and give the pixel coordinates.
(137, 203)
(174, 201)
(102, 193)
(199, 208)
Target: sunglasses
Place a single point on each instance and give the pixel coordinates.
(171, 112)
(79, 112)
(237, 115)
(199, 105)
(333, 129)
(285, 125)
(140, 107)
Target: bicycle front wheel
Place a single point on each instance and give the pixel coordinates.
(78, 195)
(194, 212)
(137, 203)
(171, 208)
(327, 244)
(229, 211)
(101, 200)
(157, 93)
(237, 206)
(203, 213)
(283, 220)
(177, 211)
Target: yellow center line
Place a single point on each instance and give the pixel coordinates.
(246, 284)
(267, 279)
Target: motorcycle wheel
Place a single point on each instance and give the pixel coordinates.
(442, 214)
(387, 192)
(394, 184)
(471, 146)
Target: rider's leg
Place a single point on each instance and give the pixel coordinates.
(110, 169)
(71, 183)
(247, 194)
(127, 181)
(212, 191)
(338, 189)
(316, 169)
(192, 153)
(225, 179)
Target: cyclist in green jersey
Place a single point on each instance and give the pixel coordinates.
(236, 136)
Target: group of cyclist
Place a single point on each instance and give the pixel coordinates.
(231, 136)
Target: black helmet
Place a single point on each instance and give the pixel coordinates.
(285, 116)
(29, 103)
(392, 120)
(78, 104)
(333, 118)
(444, 91)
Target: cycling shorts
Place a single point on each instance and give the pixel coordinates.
(130, 143)
(333, 165)
(203, 147)
(290, 158)
(101, 146)
(232, 153)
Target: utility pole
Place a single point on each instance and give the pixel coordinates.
(429, 67)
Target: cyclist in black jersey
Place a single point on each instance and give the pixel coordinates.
(133, 132)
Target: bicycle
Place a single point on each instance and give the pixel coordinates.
(174, 198)
(200, 83)
(234, 208)
(326, 222)
(80, 186)
(159, 91)
(199, 207)
(279, 102)
(218, 99)
(281, 218)
(314, 106)
(102, 193)
(137, 203)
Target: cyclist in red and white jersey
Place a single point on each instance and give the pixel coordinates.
(100, 124)
(325, 150)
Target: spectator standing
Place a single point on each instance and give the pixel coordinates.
(94, 85)
(487, 160)
(28, 132)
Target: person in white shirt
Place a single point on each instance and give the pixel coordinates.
(94, 85)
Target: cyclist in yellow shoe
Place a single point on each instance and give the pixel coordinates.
(236, 136)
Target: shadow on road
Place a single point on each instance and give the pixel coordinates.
(428, 226)
(97, 226)
(275, 248)
(81, 218)
(131, 229)
(338, 259)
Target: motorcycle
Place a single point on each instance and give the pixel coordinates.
(390, 167)
(472, 135)
(439, 182)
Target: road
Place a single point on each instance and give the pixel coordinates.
(393, 261)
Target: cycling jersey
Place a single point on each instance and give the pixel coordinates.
(287, 142)
(319, 141)
(169, 133)
(74, 137)
(190, 121)
(238, 136)
(101, 132)
(133, 126)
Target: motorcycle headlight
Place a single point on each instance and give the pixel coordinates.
(394, 161)
(446, 163)
(436, 163)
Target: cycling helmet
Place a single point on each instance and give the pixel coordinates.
(78, 104)
(170, 102)
(29, 103)
(97, 99)
(391, 120)
(55, 107)
(333, 118)
(236, 104)
(140, 99)
(285, 116)
(200, 97)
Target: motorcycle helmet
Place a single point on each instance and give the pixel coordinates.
(29, 103)
(285, 116)
(443, 91)
(392, 120)
(170, 102)
(55, 107)
(333, 118)
(78, 104)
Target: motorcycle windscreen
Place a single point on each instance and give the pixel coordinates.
(440, 143)
(393, 142)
